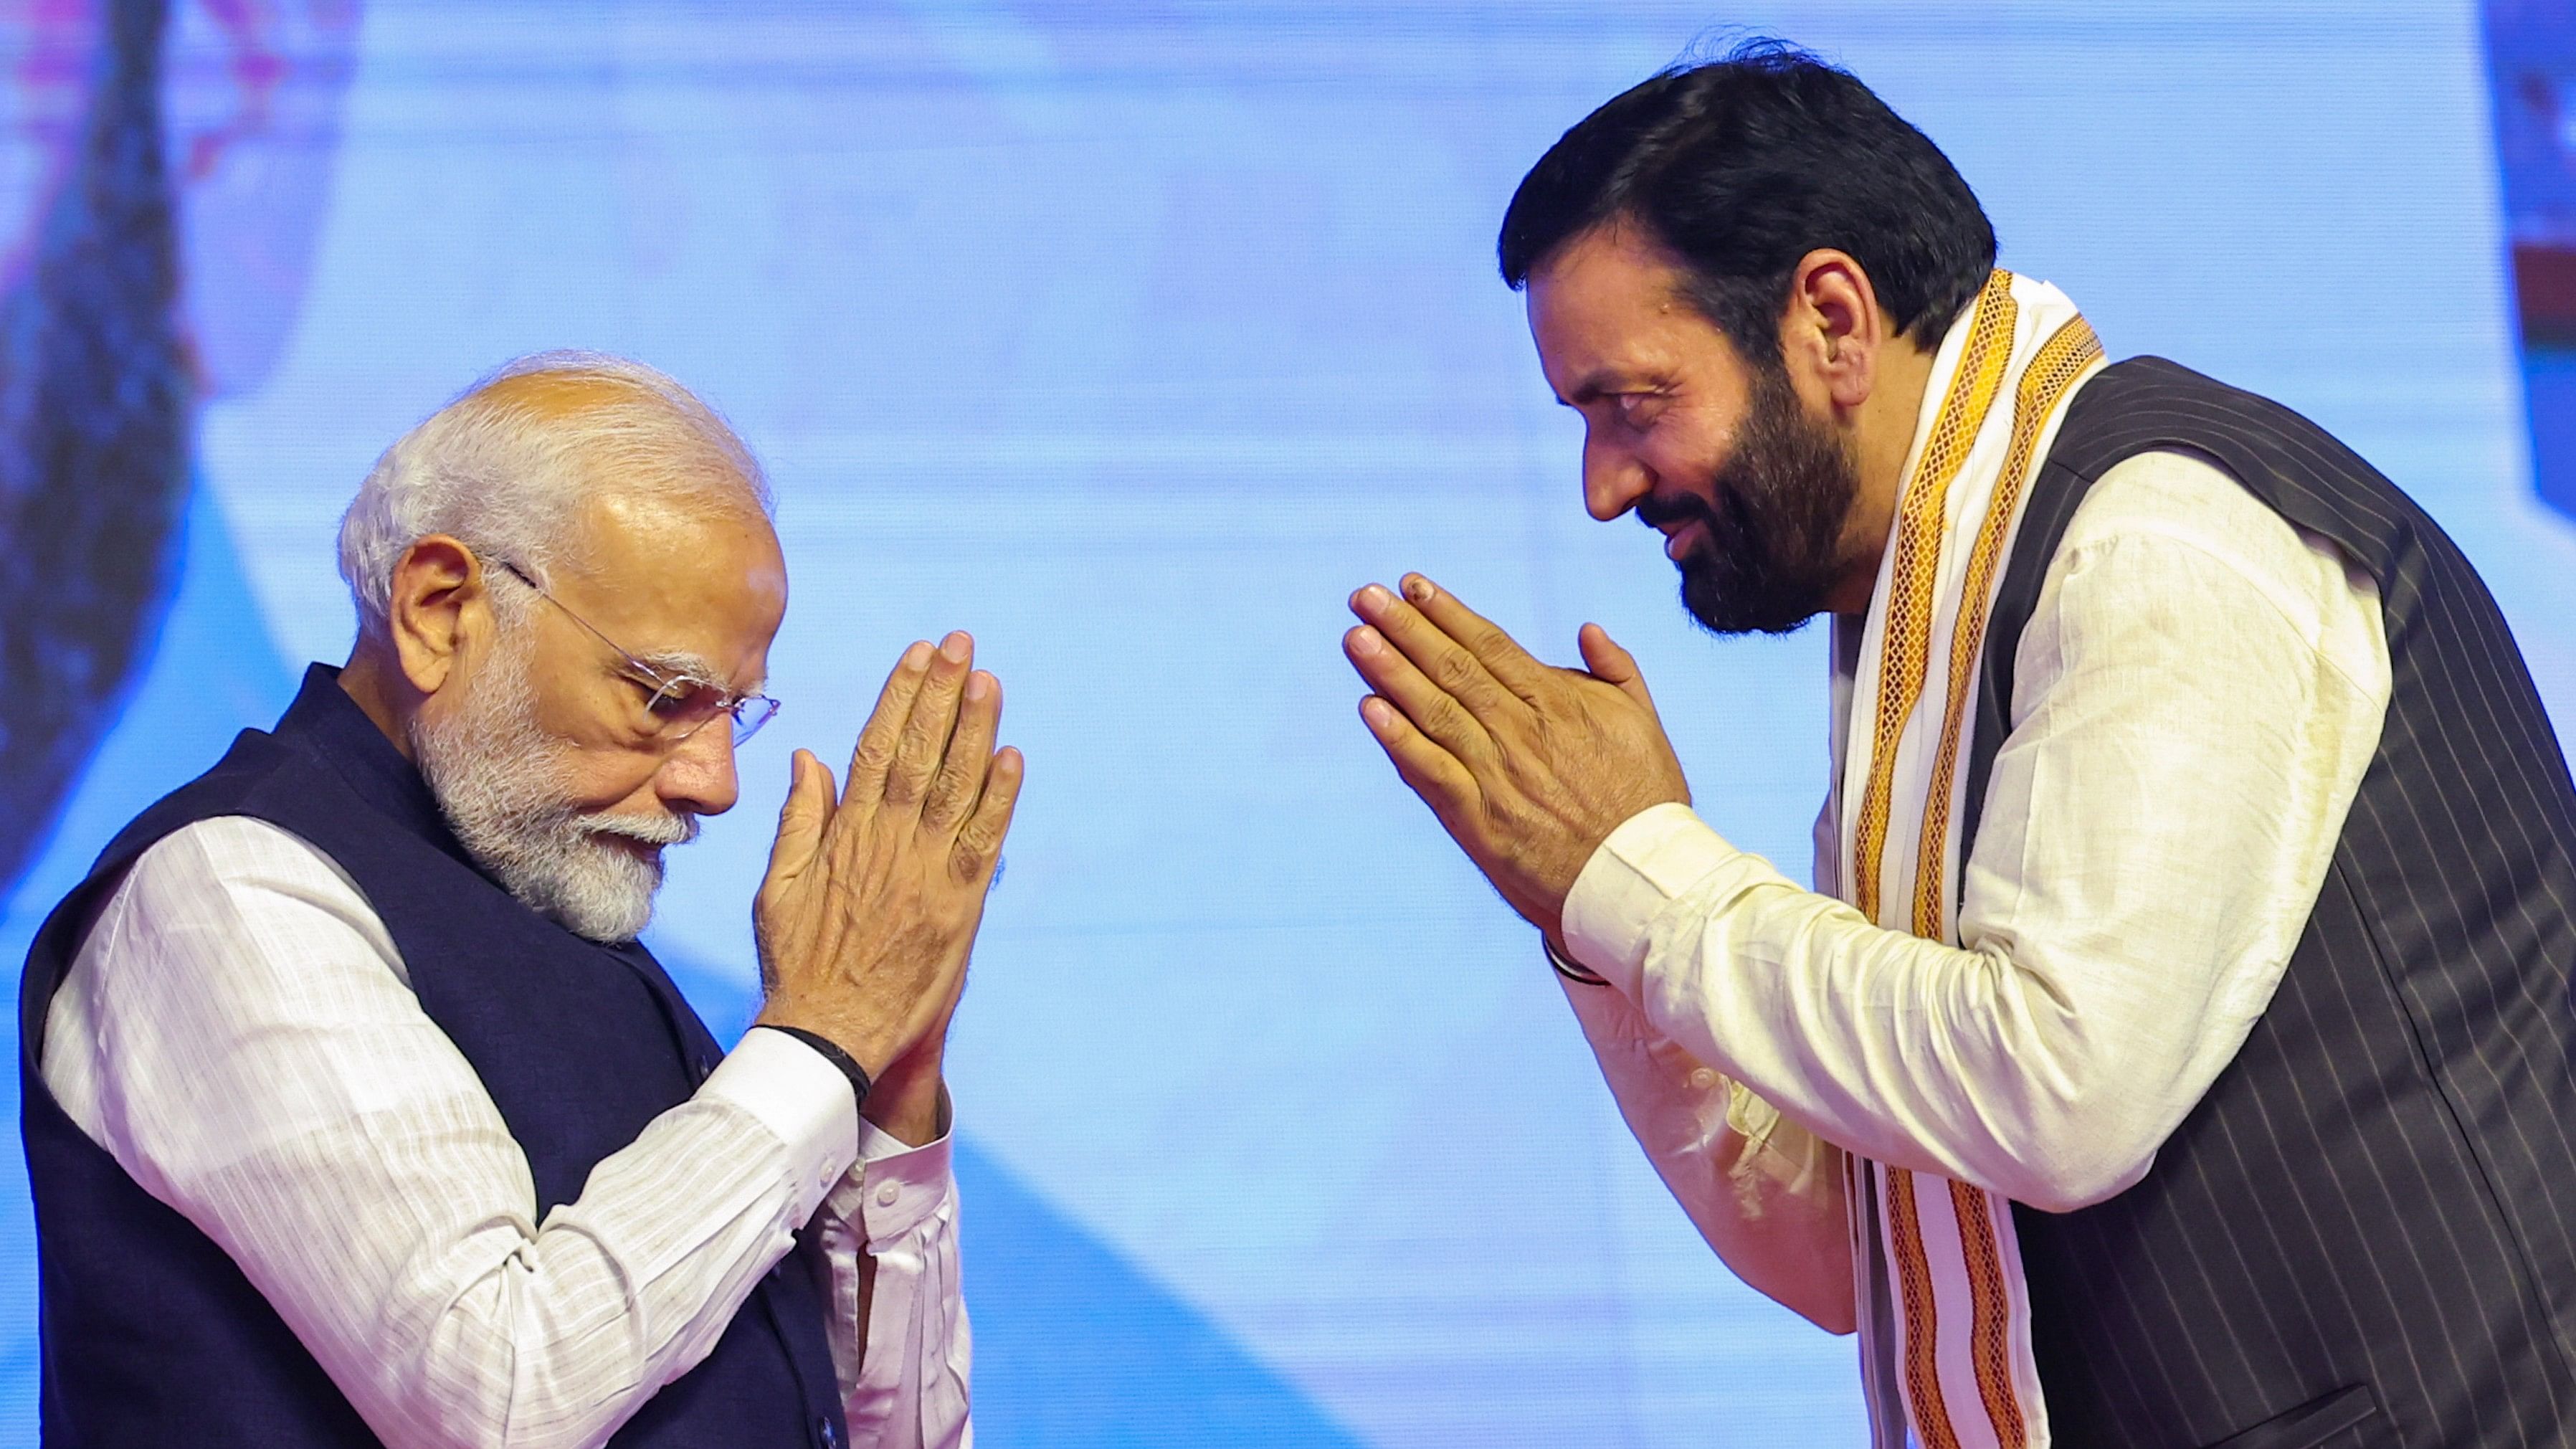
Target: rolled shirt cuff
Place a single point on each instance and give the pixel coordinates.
(1654, 857)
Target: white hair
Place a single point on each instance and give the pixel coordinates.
(505, 474)
(500, 780)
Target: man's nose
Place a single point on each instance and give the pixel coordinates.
(1613, 479)
(699, 776)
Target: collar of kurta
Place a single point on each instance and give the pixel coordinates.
(327, 722)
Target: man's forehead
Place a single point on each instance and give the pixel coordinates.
(1608, 312)
(698, 588)
(1589, 355)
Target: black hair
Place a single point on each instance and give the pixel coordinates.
(1743, 165)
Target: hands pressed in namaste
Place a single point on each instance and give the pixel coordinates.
(1528, 766)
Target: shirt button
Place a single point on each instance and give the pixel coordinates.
(1703, 1079)
(887, 1194)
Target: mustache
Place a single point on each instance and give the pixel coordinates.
(675, 829)
(1656, 510)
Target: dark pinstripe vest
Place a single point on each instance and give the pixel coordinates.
(2365, 1235)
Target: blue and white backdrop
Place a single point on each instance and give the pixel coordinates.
(1132, 335)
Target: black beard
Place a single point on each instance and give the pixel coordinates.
(1774, 546)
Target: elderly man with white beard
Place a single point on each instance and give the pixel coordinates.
(356, 1114)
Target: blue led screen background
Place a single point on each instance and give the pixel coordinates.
(1132, 337)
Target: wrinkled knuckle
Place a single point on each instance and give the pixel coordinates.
(1443, 715)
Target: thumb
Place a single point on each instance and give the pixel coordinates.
(801, 819)
(1613, 665)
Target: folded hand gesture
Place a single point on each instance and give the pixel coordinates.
(1529, 766)
(873, 897)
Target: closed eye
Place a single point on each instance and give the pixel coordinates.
(1636, 408)
(687, 699)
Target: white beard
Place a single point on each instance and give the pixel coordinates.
(498, 778)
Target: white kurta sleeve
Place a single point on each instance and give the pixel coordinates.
(239, 1034)
(890, 1238)
(1766, 1194)
(2199, 692)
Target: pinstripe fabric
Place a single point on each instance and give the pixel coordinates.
(2372, 1205)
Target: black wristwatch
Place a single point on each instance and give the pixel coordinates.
(832, 1053)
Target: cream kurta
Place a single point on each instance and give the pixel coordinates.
(2198, 694)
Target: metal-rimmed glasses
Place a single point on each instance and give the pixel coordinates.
(679, 704)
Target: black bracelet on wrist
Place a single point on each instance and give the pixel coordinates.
(1568, 969)
(831, 1050)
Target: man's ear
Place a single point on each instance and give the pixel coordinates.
(1833, 328)
(439, 603)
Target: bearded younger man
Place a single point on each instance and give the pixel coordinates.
(355, 1111)
(2175, 1049)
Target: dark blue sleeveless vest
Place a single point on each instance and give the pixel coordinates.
(151, 1335)
(2365, 1234)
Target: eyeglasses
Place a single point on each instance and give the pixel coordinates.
(680, 704)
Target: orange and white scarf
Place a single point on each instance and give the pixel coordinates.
(1942, 1255)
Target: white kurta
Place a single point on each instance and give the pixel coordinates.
(2198, 694)
(239, 1032)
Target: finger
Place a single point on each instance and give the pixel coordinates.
(979, 843)
(1443, 660)
(801, 818)
(1431, 709)
(1444, 784)
(970, 754)
(924, 741)
(1499, 652)
(802, 821)
(874, 753)
(1613, 665)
